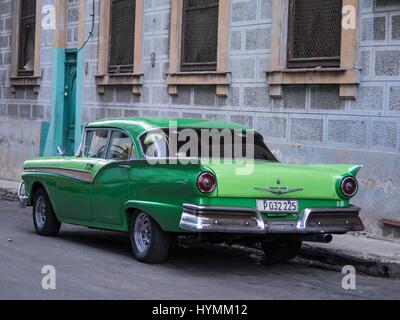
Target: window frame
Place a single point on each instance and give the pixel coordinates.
(112, 131)
(133, 154)
(129, 67)
(176, 76)
(103, 77)
(193, 67)
(32, 79)
(150, 131)
(87, 147)
(347, 76)
(29, 19)
(328, 62)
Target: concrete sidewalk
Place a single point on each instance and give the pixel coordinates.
(370, 255)
(8, 190)
(378, 257)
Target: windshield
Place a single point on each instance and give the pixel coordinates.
(205, 143)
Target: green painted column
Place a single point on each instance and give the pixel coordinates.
(79, 98)
(55, 135)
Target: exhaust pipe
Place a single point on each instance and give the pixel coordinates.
(323, 238)
(320, 238)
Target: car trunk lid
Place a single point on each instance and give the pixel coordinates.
(279, 181)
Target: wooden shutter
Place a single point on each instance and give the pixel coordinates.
(199, 35)
(314, 38)
(26, 54)
(122, 36)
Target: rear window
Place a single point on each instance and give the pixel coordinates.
(205, 143)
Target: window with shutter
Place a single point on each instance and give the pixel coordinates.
(314, 38)
(26, 54)
(122, 36)
(199, 35)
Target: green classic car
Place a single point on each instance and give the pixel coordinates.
(134, 175)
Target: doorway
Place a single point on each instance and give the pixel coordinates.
(69, 101)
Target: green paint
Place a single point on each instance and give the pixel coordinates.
(64, 112)
(79, 97)
(44, 131)
(69, 123)
(55, 136)
(136, 126)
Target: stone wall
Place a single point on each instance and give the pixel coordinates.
(313, 115)
(22, 112)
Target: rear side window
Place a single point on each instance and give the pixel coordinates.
(96, 144)
(120, 146)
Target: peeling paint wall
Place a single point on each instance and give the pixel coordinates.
(19, 141)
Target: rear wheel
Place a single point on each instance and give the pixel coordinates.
(149, 242)
(44, 219)
(282, 251)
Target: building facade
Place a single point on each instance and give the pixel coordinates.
(320, 79)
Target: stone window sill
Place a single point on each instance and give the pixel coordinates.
(221, 80)
(348, 79)
(121, 79)
(25, 81)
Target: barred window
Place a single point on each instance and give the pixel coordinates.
(122, 36)
(314, 38)
(26, 54)
(199, 35)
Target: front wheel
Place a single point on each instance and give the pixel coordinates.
(149, 242)
(44, 219)
(281, 252)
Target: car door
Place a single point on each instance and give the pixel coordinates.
(75, 183)
(111, 183)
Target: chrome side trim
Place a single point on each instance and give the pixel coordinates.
(77, 174)
(22, 195)
(247, 220)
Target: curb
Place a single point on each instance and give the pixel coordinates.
(8, 194)
(337, 259)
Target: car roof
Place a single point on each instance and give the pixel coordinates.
(136, 126)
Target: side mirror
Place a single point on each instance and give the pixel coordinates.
(61, 151)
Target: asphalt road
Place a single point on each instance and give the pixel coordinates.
(94, 264)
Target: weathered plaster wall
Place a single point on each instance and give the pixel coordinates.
(379, 184)
(22, 113)
(19, 140)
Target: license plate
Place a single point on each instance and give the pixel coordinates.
(284, 206)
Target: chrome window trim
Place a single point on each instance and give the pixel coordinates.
(110, 129)
(109, 144)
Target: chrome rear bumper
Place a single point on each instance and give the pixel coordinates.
(221, 219)
(246, 220)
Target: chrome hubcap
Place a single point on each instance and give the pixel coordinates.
(142, 232)
(40, 212)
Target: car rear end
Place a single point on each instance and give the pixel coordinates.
(275, 199)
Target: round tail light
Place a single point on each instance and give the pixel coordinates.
(349, 186)
(206, 182)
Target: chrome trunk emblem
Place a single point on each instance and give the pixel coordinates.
(278, 190)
